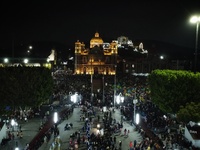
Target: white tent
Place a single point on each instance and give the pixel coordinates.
(192, 133)
(3, 131)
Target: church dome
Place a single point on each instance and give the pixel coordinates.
(96, 40)
(96, 51)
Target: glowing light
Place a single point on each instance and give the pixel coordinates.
(5, 60)
(55, 117)
(137, 119)
(74, 98)
(30, 47)
(195, 19)
(12, 122)
(25, 60)
(161, 57)
(118, 99)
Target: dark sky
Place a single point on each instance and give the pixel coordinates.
(69, 21)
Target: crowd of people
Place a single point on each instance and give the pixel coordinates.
(155, 125)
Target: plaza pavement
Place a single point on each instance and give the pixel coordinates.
(77, 125)
(31, 128)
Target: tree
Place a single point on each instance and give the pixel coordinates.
(25, 86)
(171, 89)
(191, 112)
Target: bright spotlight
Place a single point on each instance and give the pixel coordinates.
(137, 121)
(55, 117)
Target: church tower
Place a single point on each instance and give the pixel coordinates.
(99, 58)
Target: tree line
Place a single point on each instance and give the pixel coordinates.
(176, 92)
(24, 87)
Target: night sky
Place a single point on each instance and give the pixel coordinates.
(68, 21)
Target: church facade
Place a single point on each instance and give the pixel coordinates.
(98, 58)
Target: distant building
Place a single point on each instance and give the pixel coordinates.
(123, 42)
(148, 63)
(99, 58)
(30, 61)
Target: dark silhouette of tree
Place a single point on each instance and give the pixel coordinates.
(191, 112)
(25, 86)
(176, 92)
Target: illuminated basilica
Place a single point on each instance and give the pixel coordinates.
(99, 58)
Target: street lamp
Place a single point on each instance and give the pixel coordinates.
(6, 60)
(115, 85)
(103, 91)
(98, 128)
(91, 89)
(55, 117)
(161, 57)
(91, 73)
(12, 124)
(137, 119)
(26, 60)
(196, 19)
(134, 102)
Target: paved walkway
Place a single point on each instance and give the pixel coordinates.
(77, 125)
(31, 128)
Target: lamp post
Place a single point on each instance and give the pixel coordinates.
(91, 98)
(12, 124)
(134, 102)
(115, 78)
(6, 60)
(91, 89)
(196, 19)
(55, 119)
(103, 91)
(98, 128)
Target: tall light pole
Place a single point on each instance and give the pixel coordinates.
(91, 89)
(196, 19)
(103, 91)
(134, 102)
(91, 83)
(115, 78)
(13, 124)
